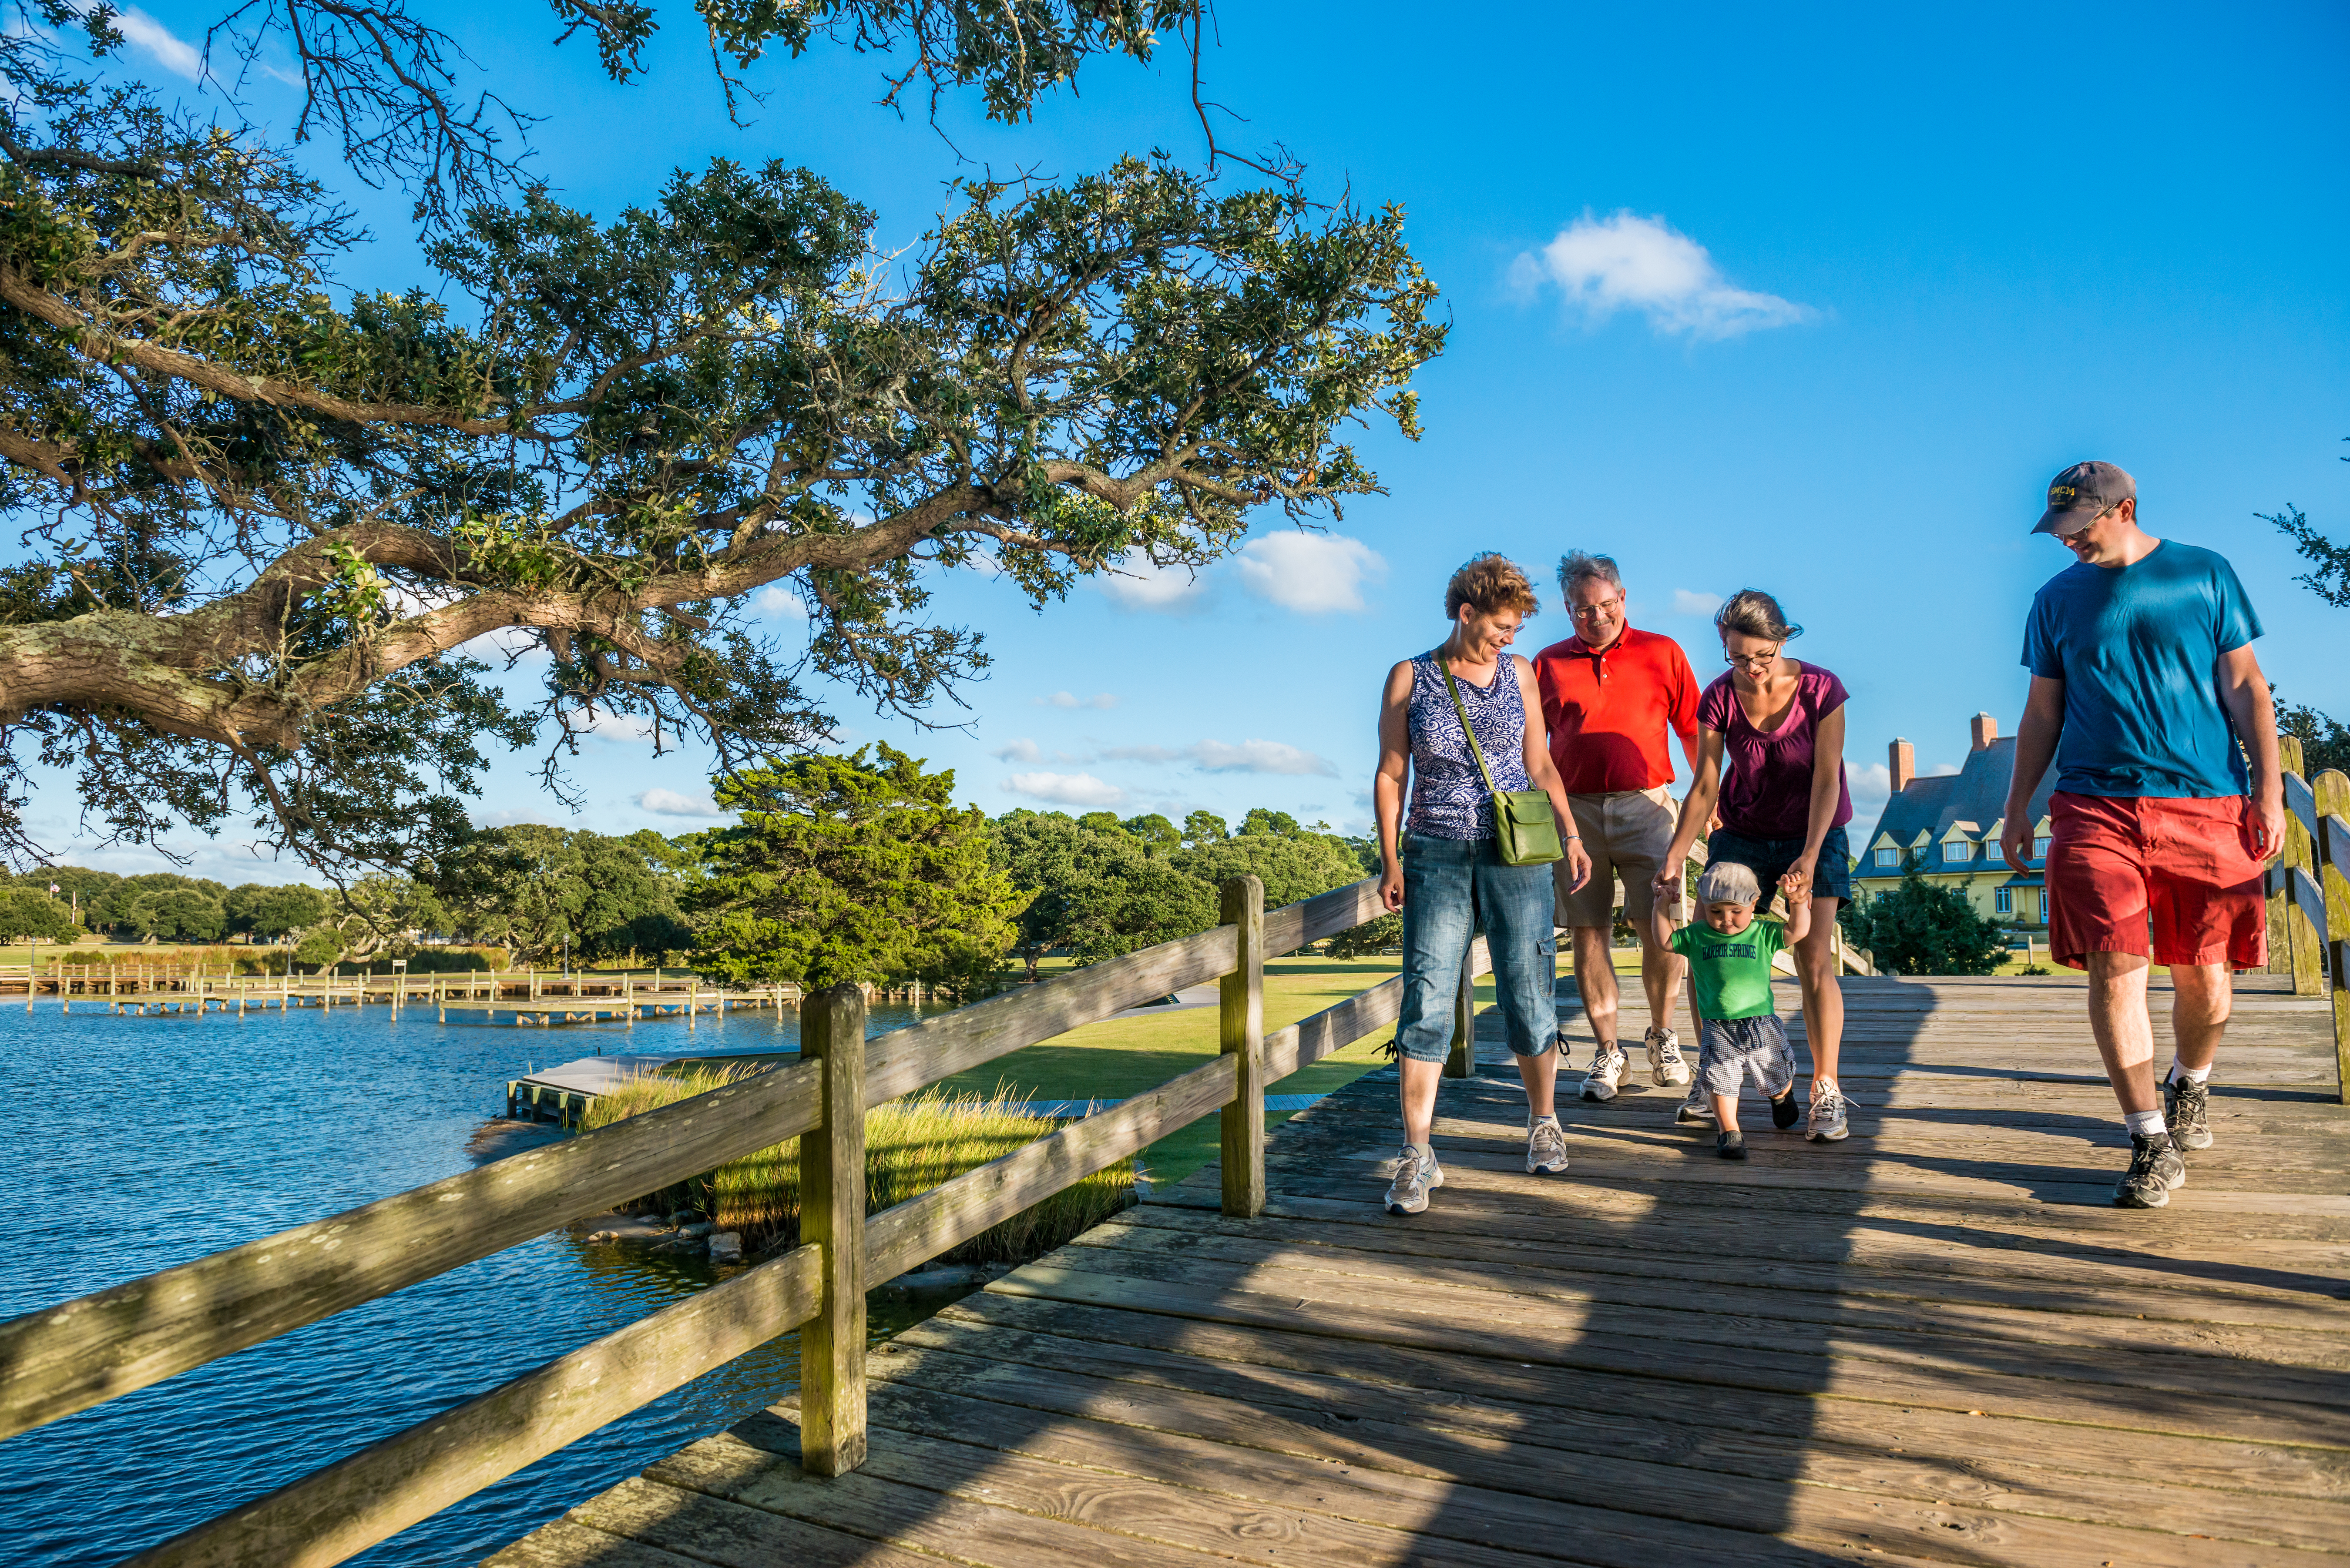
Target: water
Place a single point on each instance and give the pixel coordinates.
(142, 1143)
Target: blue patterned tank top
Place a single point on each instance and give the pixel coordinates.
(1448, 795)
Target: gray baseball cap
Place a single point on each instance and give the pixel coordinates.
(2081, 494)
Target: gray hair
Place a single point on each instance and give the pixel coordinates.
(1751, 612)
(1576, 566)
(1728, 882)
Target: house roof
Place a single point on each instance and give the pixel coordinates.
(1977, 793)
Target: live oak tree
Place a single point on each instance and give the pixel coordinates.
(275, 529)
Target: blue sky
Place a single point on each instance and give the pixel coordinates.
(1817, 306)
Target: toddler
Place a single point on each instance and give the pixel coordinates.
(1729, 952)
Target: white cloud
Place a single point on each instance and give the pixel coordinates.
(1688, 603)
(1939, 770)
(774, 602)
(1071, 700)
(1065, 789)
(173, 53)
(1626, 263)
(1313, 574)
(1018, 752)
(1135, 583)
(1224, 757)
(669, 803)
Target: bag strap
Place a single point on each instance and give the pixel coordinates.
(1467, 728)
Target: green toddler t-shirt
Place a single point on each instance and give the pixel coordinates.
(1731, 973)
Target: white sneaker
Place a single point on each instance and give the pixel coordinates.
(1827, 1120)
(1414, 1177)
(1599, 1079)
(1697, 1110)
(1546, 1147)
(1667, 1069)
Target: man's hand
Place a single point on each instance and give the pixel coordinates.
(1797, 882)
(2014, 836)
(1578, 863)
(2267, 826)
(1392, 888)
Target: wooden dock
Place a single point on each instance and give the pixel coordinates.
(525, 996)
(1934, 1343)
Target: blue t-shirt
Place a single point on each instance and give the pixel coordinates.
(2139, 648)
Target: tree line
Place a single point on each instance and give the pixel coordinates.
(840, 867)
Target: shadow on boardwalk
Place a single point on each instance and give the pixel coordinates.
(1933, 1343)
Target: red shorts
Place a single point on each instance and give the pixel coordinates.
(2117, 860)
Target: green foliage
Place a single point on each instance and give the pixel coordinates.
(911, 1145)
(1372, 937)
(2324, 742)
(1099, 887)
(320, 946)
(544, 891)
(857, 868)
(26, 912)
(268, 912)
(1923, 928)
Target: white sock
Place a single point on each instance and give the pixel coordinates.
(2193, 1074)
(1533, 1122)
(1426, 1151)
(2144, 1123)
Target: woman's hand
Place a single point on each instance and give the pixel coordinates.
(1798, 880)
(1579, 863)
(1392, 888)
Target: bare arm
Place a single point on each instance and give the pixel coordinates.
(2244, 692)
(1799, 907)
(1388, 783)
(1545, 773)
(1827, 793)
(2035, 748)
(1705, 788)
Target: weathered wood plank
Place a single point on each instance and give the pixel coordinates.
(832, 1220)
(383, 1489)
(1293, 925)
(1240, 1036)
(1307, 1040)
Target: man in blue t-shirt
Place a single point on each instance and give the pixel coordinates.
(2147, 695)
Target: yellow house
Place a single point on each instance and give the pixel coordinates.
(1948, 828)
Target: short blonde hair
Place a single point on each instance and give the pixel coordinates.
(1728, 882)
(1491, 582)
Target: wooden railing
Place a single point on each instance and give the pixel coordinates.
(84, 1352)
(2309, 897)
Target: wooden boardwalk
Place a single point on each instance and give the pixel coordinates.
(1933, 1343)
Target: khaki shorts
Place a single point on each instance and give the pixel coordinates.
(1626, 834)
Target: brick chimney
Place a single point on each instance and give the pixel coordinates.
(1902, 758)
(1986, 729)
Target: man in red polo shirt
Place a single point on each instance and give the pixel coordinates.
(1608, 695)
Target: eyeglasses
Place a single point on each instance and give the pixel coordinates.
(1597, 611)
(1750, 660)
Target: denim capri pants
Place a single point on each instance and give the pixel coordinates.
(1452, 887)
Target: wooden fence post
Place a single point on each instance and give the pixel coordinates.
(1241, 1033)
(2332, 790)
(2304, 940)
(1462, 1061)
(832, 1216)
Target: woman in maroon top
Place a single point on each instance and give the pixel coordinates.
(1771, 755)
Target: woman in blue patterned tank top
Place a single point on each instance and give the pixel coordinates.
(1444, 869)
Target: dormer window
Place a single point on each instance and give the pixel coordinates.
(2040, 849)
(1888, 856)
(1958, 850)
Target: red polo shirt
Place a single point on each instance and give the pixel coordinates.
(1607, 712)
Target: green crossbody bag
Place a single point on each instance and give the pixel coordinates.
(1525, 827)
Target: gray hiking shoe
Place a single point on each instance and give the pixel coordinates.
(1414, 1176)
(1546, 1147)
(2155, 1172)
(1667, 1069)
(1828, 1117)
(2187, 1112)
(1730, 1145)
(1599, 1079)
(1697, 1110)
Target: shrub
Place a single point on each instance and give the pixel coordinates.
(1922, 928)
(1373, 937)
(911, 1145)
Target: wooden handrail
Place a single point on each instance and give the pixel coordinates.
(70, 1357)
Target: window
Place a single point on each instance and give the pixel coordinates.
(2040, 849)
(1962, 850)
(2003, 901)
(1888, 855)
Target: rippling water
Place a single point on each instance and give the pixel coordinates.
(141, 1143)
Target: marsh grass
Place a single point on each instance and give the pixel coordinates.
(911, 1145)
